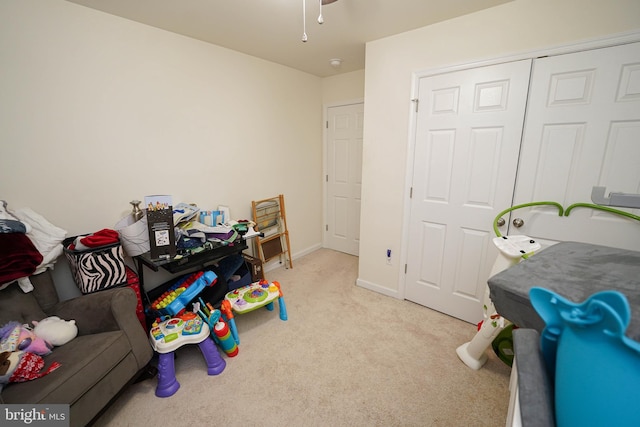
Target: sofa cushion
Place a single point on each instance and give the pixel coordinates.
(18, 306)
(84, 361)
(44, 290)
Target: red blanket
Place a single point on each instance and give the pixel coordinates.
(18, 257)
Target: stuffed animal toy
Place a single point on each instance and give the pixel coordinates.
(20, 366)
(17, 337)
(55, 330)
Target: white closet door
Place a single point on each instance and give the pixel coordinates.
(469, 128)
(344, 178)
(582, 130)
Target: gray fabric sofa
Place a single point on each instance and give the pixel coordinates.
(110, 351)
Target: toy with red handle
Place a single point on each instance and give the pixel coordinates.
(225, 307)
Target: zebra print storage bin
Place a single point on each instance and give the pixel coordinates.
(96, 269)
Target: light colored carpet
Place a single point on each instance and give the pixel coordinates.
(347, 356)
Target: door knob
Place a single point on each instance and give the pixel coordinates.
(518, 222)
(500, 222)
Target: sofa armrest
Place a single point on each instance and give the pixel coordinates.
(109, 310)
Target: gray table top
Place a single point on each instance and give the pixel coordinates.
(573, 270)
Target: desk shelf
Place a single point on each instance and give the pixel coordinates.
(184, 264)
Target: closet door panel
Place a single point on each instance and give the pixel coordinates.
(582, 129)
(468, 131)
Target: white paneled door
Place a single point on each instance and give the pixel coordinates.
(344, 177)
(468, 134)
(582, 130)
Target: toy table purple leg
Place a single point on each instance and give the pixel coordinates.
(167, 382)
(215, 363)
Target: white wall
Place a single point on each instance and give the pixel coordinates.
(518, 26)
(97, 110)
(343, 87)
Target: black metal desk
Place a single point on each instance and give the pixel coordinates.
(184, 263)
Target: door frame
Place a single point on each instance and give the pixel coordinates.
(325, 160)
(595, 43)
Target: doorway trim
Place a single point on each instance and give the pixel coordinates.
(573, 47)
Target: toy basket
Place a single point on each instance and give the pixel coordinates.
(96, 269)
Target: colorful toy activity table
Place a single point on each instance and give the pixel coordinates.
(171, 334)
(254, 296)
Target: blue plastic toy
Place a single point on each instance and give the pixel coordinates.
(175, 299)
(596, 367)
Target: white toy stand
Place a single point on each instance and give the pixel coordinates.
(513, 249)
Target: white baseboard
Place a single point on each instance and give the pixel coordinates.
(307, 251)
(377, 288)
(272, 265)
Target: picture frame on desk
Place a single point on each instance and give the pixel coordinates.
(162, 239)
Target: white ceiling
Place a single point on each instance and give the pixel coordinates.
(272, 29)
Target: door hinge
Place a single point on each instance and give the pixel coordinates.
(326, 178)
(416, 101)
(326, 124)
(326, 227)
(405, 269)
(411, 192)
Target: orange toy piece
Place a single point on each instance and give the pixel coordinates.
(226, 309)
(279, 288)
(187, 315)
